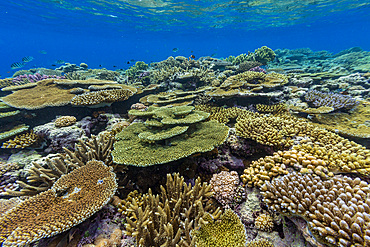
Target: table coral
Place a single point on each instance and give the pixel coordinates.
(167, 219)
(71, 200)
(227, 231)
(337, 209)
(169, 134)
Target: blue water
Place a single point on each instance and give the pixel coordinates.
(111, 32)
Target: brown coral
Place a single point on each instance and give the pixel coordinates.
(224, 186)
(65, 121)
(264, 222)
(168, 218)
(22, 141)
(103, 96)
(70, 201)
(337, 210)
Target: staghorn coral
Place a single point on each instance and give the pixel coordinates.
(71, 200)
(168, 134)
(224, 187)
(227, 231)
(167, 219)
(337, 210)
(100, 97)
(337, 101)
(264, 222)
(65, 121)
(22, 141)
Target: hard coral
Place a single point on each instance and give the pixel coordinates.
(65, 121)
(168, 218)
(167, 135)
(264, 222)
(103, 96)
(71, 200)
(22, 141)
(337, 209)
(227, 231)
(224, 187)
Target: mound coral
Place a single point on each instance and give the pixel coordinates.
(337, 210)
(168, 134)
(224, 186)
(65, 121)
(262, 55)
(103, 96)
(71, 200)
(264, 222)
(167, 219)
(227, 231)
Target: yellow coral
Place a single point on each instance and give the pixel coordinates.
(264, 222)
(71, 200)
(22, 141)
(65, 121)
(227, 231)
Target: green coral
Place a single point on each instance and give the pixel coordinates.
(227, 231)
(168, 134)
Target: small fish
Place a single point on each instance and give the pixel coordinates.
(192, 56)
(43, 52)
(114, 66)
(128, 62)
(132, 60)
(213, 54)
(27, 59)
(53, 65)
(60, 61)
(17, 65)
(100, 65)
(175, 49)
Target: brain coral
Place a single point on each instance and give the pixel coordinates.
(337, 210)
(168, 134)
(71, 200)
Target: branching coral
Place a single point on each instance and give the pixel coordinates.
(167, 219)
(103, 96)
(227, 231)
(337, 210)
(224, 187)
(71, 200)
(337, 101)
(22, 141)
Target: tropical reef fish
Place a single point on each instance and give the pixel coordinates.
(60, 61)
(17, 65)
(175, 49)
(27, 59)
(43, 52)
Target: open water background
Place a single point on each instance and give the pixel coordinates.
(111, 32)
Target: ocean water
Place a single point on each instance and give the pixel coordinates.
(273, 137)
(110, 33)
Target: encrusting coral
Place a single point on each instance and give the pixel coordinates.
(337, 210)
(167, 219)
(168, 134)
(226, 231)
(72, 199)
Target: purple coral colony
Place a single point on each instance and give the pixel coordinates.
(268, 148)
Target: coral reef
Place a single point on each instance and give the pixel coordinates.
(337, 210)
(228, 230)
(100, 97)
(22, 141)
(224, 187)
(167, 219)
(337, 101)
(65, 121)
(71, 200)
(264, 222)
(168, 134)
